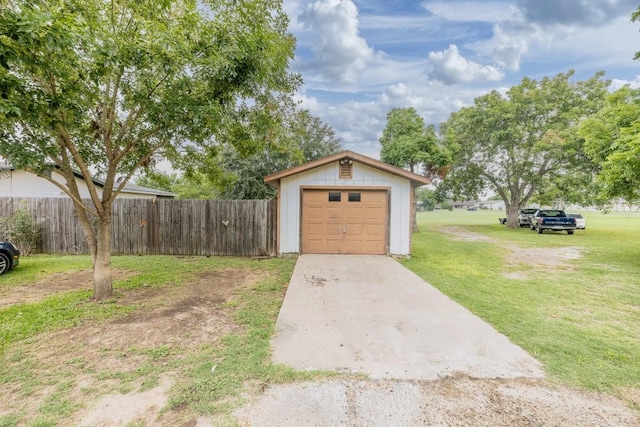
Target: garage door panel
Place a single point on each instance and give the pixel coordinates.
(354, 230)
(354, 248)
(333, 230)
(315, 197)
(315, 246)
(355, 215)
(373, 229)
(334, 212)
(315, 230)
(354, 222)
(334, 246)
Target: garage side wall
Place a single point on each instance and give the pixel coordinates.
(363, 177)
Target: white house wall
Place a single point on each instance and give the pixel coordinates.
(19, 183)
(363, 177)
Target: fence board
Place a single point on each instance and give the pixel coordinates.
(160, 227)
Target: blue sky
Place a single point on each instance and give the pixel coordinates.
(360, 59)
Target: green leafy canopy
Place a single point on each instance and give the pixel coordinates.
(108, 84)
(612, 141)
(522, 142)
(407, 142)
(100, 87)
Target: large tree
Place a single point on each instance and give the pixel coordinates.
(100, 87)
(303, 138)
(612, 141)
(407, 143)
(521, 142)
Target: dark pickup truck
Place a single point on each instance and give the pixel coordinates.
(552, 219)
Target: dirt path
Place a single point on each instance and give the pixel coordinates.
(453, 401)
(522, 260)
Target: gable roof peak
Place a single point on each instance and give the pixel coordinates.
(416, 180)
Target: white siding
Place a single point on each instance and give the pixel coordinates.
(363, 177)
(19, 183)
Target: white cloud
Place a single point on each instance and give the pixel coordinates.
(471, 11)
(360, 123)
(512, 40)
(398, 91)
(449, 67)
(541, 28)
(607, 47)
(576, 12)
(340, 53)
(617, 83)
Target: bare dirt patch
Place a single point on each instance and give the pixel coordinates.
(96, 357)
(461, 234)
(522, 260)
(548, 258)
(58, 282)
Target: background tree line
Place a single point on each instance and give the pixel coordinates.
(544, 140)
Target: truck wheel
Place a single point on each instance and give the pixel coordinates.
(539, 230)
(569, 231)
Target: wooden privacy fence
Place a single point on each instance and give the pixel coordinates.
(160, 227)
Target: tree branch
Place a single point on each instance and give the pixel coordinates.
(130, 145)
(134, 114)
(66, 142)
(110, 115)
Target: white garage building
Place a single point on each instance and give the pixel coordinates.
(346, 203)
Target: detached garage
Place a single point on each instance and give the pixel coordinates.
(346, 203)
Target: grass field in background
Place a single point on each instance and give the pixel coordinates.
(581, 319)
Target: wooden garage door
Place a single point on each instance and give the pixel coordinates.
(344, 221)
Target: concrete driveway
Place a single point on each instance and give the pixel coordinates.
(371, 315)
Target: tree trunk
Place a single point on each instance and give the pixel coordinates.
(102, 286)
(87, 229)
(512, 215)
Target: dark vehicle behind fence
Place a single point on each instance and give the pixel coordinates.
(552, 219)
(9, 257)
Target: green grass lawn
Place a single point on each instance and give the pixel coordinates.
(241, 360)
(580, 318)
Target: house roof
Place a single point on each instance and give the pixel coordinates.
(416, 180)
(130, 188)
